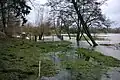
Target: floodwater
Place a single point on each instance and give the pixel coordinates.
(111, 39)
(113, 49)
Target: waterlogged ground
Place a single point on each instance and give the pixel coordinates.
(19, 58)
(60, 61)
(109, 50)
(109, 46)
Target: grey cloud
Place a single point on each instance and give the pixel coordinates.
(112, 10)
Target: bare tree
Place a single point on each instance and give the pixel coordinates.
(39, 20)
(82, 12)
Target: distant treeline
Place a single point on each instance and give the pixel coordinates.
(99, 30)
(114, 30)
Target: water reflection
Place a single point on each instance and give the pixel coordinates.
(110, 50)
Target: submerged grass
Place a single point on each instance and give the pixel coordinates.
(19, 58)
(83, 70)
(88, 65)
(97, 56)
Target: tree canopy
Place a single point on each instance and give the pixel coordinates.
(16, 8)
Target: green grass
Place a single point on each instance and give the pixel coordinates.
(102, 59)
(19, 58)
(83, 70)
(89, 65)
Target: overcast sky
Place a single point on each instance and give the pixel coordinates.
(111, 9)
(32, 16)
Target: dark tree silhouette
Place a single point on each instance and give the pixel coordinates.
(17, 7)
(84, 13)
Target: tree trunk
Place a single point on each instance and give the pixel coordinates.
(89, 35)
(40, 36)
(35, 38)
(81, 35)
(52, 37)
(78, 32)
(68, 33)
(77, 38)
(30, 37)
(60, 36)
(3, 18)
(83, 23)
(87, 40)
